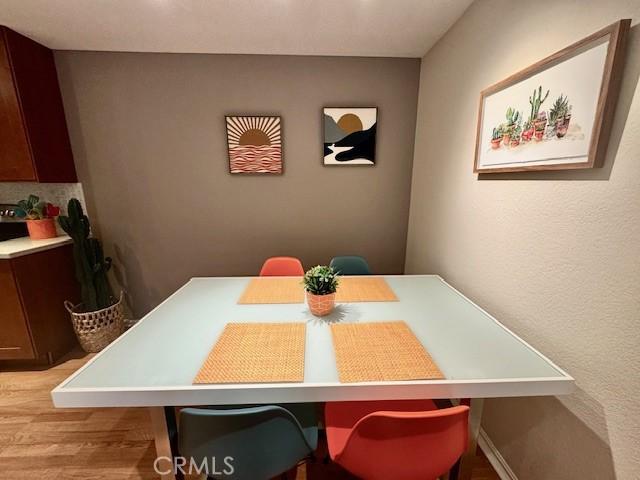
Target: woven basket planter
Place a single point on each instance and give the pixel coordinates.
(96, 330)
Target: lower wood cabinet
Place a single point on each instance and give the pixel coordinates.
(34, 324)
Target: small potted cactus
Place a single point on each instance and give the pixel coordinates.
(98, 320)
(321, 283)
(513, 119)
(496, 137)
(527, 131)
(538, 118)
(560, 116)
(40, 217)
(539, 126)
(515, 135)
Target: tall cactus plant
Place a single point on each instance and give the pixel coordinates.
(536, 101)
(90, 262)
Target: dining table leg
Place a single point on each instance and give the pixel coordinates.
(165, 432)
(463, 469)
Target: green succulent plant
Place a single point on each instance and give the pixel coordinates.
(320, 280)
(559, 109)
(513, 117)
(497, 133)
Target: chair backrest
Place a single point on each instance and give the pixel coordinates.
(282, 267)
(350, 265)
(406, 445)
(258, 442)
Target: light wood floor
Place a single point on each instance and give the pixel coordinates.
(38, 441)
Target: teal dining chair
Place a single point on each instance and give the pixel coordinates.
(248, 442)
(350, 265)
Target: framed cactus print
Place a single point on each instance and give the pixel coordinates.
(555, 114)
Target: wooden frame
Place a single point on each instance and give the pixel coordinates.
(226, 117)
(323, 135)
(608, 95)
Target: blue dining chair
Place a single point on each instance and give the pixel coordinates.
(258, 442)
(350, 265)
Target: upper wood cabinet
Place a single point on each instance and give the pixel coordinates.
(34, 141)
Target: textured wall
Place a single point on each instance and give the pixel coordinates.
(149, 141)
(555, 256)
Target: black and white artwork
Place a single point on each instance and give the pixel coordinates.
(350, 136)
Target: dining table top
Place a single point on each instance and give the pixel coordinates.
(155, 362)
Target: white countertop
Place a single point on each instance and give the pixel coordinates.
(24, 246)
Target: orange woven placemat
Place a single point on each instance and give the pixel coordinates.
(385, 351)
(255, 353)
(364, 289)
(273, 290)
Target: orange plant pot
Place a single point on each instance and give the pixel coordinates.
(321, 305)
(41, 229)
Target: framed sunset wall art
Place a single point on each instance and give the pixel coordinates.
(254, 144)
(350, 136)
(555, 114)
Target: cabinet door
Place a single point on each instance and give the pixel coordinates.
(15, 339)
(36, 81)
(15, 155)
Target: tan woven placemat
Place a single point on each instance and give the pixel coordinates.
(385, 351)
(364, 289)
(273, 290)
(255, 353)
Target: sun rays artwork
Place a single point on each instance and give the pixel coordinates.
(255, 144)
(350, 136)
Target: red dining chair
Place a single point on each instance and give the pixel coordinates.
(399, 439)
(282, 267)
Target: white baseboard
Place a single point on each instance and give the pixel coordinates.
(496, 460)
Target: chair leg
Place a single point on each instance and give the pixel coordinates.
(455, 470)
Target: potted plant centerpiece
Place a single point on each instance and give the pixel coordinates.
(321, 283)
(98, 320)
(40, 217)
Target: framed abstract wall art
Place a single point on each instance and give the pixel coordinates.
(254, 143)
(350, 136)
(555, 114)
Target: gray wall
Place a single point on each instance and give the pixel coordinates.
(555, 256)
(148, 136)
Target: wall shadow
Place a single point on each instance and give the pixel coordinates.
(132, 279)
(517, 425)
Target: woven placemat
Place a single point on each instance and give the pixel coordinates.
(256, 353)
(364, 289)
(273, 290)
(385, 351)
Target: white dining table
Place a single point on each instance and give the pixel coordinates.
(154, 363)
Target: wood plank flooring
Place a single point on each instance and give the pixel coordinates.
(39, 441)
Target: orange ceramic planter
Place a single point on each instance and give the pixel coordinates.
(41, 229)
(321, 305)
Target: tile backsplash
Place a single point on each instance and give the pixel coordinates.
(56, 193)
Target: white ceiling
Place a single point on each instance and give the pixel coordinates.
(387, 28)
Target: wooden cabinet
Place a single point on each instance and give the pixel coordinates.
(34, 324)
(34, 141)
(15, 339)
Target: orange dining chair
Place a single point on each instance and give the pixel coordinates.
(399, 439)
(282, 267)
